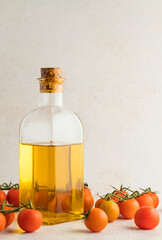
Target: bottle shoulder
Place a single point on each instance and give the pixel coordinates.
(50, 123)
(47, 112)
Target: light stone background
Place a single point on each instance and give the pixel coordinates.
(111, 52)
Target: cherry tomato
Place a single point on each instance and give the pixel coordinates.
(3, 197)
(97, 220)
(2, 222)
(87, 190)
(65, 203)
(9, 216)
(145, 200)
(99, 202)
(88, 202)
(118, 194)
(146, 217)
(13, 197)
(111, 209)
(61, 205)
(155, 198)
(115, 199)
(41, 199)
(52, 204)
(30, 220)
(128, 208)
(88, 199)
(121, 193)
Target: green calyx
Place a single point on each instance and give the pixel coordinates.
(16, 209)
(118, 193)
(86, 184)
(85, 215)
(5, 186)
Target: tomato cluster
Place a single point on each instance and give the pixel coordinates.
(28, 219)
(141, 207)
(12, 197)
(130, 204)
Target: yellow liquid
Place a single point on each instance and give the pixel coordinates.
(52, 178)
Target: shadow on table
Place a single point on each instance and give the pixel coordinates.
(14, 231)
(133, 228)
(84, 231)
(122, 218)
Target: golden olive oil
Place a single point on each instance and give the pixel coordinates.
(51, 176)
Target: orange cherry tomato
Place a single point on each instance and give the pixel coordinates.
(97, 220)
(30, 220)
(99, 202)
(111, 209)
(146, 217)
(145, 200)
(155, 198)
(3, 197)
(2, 222)
(128, 208)
(13, 197)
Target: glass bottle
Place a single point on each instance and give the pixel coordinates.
(51, 154)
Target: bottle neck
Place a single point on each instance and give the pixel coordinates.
(51, 99)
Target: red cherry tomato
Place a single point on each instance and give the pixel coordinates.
(128, 208)
(2, 222)
(88, 199)
(30, 220)
(65, 204)
(3, 197)
(146, 217)
(13, 197)
(117, 195)
(121, 193)
(9, 216)
(87, 190)
(88, 202)
(145, 200)
(155, 198)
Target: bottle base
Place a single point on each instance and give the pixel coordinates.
(61, 218)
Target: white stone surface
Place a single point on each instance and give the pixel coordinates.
(120, 229)
(111, 55)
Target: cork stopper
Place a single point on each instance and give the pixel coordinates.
(51, 80)
(51, 72)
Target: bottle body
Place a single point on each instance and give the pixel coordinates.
(54, 185)
(51, 160)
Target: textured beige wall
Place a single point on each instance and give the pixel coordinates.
(111, 55)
